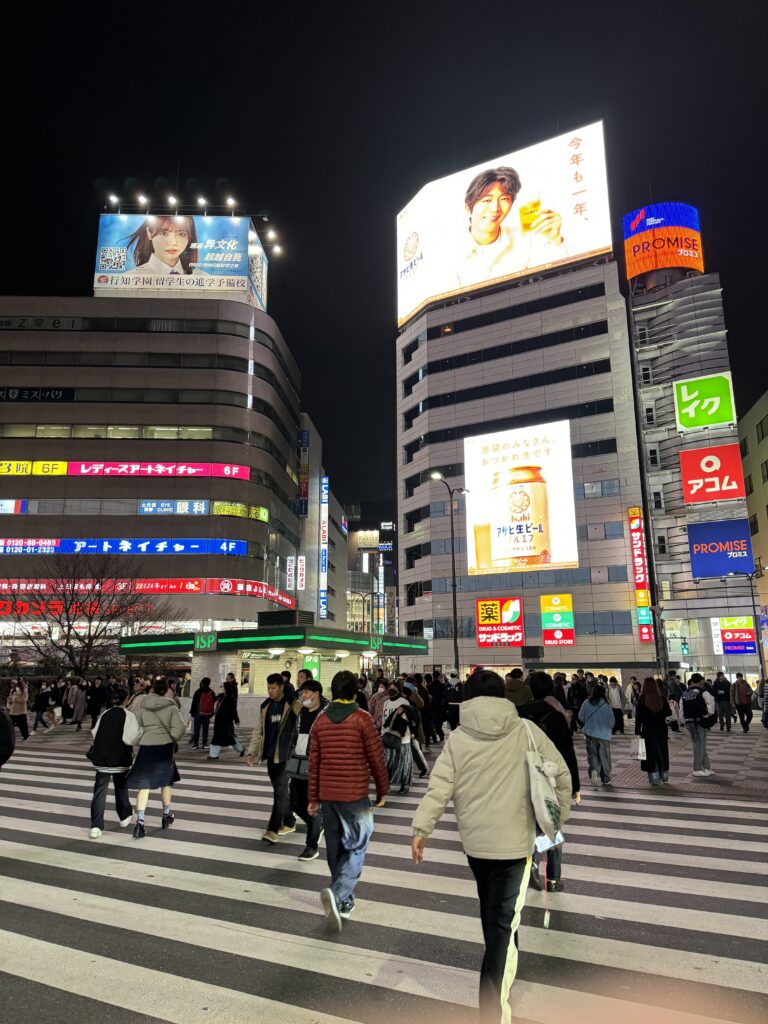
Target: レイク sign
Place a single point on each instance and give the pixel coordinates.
(712, 474)
(704, 402)
(734, 635)
(645, 629)
(720, 548)
(499, 622)
(557, 625)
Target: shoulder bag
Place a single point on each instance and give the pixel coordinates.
(297, 765)
(541, 775)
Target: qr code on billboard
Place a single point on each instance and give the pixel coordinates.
(112, 257)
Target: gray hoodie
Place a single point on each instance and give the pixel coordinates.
(160, 721)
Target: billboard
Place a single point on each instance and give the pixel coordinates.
(520, 506)
(16, 467)
(704, 402)
(645, 631)
(511, 216)
(712, 474)
(499, 622)
(121, 546)
(322, 593)
(720, 548)
(180, 255)
(557, 623)
(662, 235)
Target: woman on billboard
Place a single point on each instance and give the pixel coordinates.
(498, 245)
(164, 245)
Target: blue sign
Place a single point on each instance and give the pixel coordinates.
(325, 489)
(172, 507)
(661, 215)
(323, 599)
(720, 548)
(323, 559)
(148, 546)
(739, 647)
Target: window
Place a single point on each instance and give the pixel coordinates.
(162, 433)
(593, 490)
(645, 373)
(754, 526)
(748, 488)
(614, 529)
(53, 430)
(658, 499)
(762, 429)
(123, 432)
(764, 470)
(653, 456)
(18, 430)
(617, 574)
(666, 590)
(89, 430)
(650, 415)
(642, 334)
(661, 543)
(744, 447)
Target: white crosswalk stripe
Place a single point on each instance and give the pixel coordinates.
(665, 916)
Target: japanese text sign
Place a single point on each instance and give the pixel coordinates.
(719, 548)
(712, 474)
(499, 622)
(704, 402)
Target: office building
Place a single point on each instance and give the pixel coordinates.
(753, 442)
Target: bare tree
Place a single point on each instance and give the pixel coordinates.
(80, 605)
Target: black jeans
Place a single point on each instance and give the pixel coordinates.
(281, 805)
(201, 722)
(299, 802)
(99, 801)
(618, 721)
(744, 711)
(40, 720)
(502, 887)
(724, 714)
(22, 724)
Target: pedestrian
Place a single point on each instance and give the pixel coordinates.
(741, 693)
(162, 728)
(559, 692)
(396, 737)
(44, 701)
(345, 751)
(312, 704)
(454, 697)
(201, 712)
(79, 704)
(518, 691)
(577, 694)
(427, 720)
(651, 716)
(70, 697)
(721, 690)
(361, 696)
(17, 704)
(597, 719)
(618, 702)
(116, 733)
(483, 771)
(418, 736)
(271, 742)
(224, 722)
(546, 711)
(439, 706)
(377, 701)
(141, 689)
(7, 736)
(698, 707)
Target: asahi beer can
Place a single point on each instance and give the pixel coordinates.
(519, 519)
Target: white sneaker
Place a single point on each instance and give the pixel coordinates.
(700, 775)
(95, 833)
(708, 771)
(126, 821)
(594, 778)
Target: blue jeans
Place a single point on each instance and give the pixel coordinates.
(215, 749)
(348, 829)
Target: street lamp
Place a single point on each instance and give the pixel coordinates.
(437, 475)
(752, 576)
(362, 596)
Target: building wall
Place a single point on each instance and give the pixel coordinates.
(562, 322)
(753, 438)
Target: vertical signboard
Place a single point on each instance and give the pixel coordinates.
(303, 473)
(499, 622)
(640, 576)
(381, 602)
(322, 595)
(738, 635)
(557, 624)
(704, 402)
(290, 573)
(301, 573)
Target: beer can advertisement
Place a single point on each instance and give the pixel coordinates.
(499, 622)
(510, 216)
(195, 255)
(557, 623)
(662, 235)
(520, 506)
(720, 548)
(712, 474)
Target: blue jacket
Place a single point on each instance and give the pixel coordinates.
(598, 721)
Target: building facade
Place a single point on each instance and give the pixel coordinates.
(753, 440)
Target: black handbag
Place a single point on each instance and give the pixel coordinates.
(391, 741)
(297, 767)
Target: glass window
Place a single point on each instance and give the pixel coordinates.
(123, 432)
(653, 456)
(61, 358)
(164, 359)
(195, 433)
(617, 573)
(754, 526)
(748, 488)
(169, 396)
(89, 430)
(744, 447)
(128, 394)
(18, 430)
(614, 529)
(764, 470)
(195, 359)
(201, 397)
(658, 500)
(24, 357)
(53, 430)
(161, 433)
(611, 488)
(593, 490)
(95, 358)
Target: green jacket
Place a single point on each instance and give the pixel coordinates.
(160, 721)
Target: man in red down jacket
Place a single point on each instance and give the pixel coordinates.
(344, 751)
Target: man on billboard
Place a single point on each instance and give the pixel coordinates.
(164, 245)
(499, 246)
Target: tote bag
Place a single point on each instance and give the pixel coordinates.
(541, 775)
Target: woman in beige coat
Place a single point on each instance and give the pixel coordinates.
(18, 699)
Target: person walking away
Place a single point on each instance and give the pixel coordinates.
(742, 700)
(577, 694)
(483, 770)
(721, 689)
(414, 698)
(201, 711)
(116, 733)
(651, 716)
(377, 701)
(439, 706)
(345, 751)
(518, 691)
(224, 723)
(559, 692)
(454, 696)
(396, 737)
(41, 706)
(70, 699)
(17, 706)
(427, 719)
(361, 696)
(312, 704)
(698, 707)
(546, 711)
(162, 728)
(271, 742)
(79, 705)
(597, 719)
(618, 702)
(7, 737)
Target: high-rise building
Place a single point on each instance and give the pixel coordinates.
(696, 512)
(753, 442)
(514, 384)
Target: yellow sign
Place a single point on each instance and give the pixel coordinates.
(49, 468)
(258, 512)
(241, 510)
(556, 602)
(634, 512)
(15, 468)
(643, 598)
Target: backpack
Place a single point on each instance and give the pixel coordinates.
(205, 707)
(692, 705)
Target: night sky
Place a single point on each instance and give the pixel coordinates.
(333, 115)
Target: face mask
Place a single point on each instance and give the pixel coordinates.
(307, 703)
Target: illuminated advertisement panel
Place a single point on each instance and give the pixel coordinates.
(720, 548)
(301, 573)
(520, 505)
(704, 402)
(194, 255)
(645, 630)
(499, 622)
(122, 546)
(322, 593)
(662, 235)
(712, 474)
(734, 635)
(13, 506)
(249, 588)
(184, 585)
(14, 467)
(557, 623)
(290, 572)
(511, 216)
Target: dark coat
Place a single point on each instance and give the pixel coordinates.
(652, 726)
(7, 736)
(226, 718)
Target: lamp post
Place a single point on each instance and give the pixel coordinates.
(362, 596)
(752, 576)
(451, 492)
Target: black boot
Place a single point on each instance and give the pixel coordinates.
(138, 830)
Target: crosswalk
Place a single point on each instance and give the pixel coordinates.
(664, 917)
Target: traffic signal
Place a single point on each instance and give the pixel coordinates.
(684, 646)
